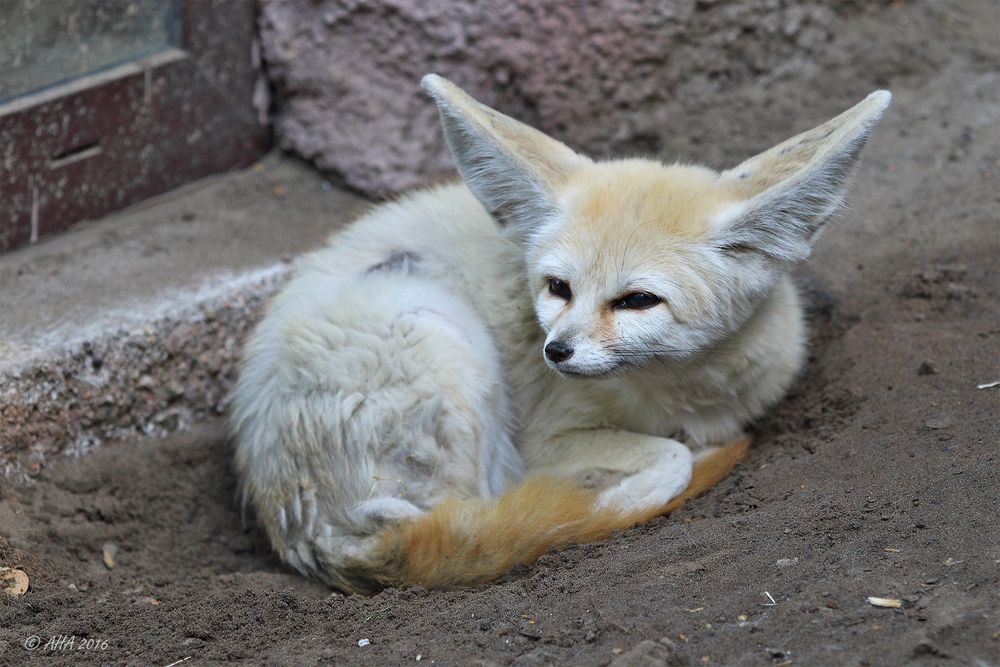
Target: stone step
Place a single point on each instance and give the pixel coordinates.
(132, 324)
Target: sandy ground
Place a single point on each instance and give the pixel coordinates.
(880, 475)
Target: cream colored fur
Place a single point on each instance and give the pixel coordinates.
(403, 364)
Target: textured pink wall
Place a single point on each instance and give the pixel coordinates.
(603, 76)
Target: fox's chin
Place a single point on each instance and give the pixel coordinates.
(592, 373)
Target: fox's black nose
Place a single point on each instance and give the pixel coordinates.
(558, 351)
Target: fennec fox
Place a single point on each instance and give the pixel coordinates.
(554, 349)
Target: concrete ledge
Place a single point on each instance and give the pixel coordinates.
(133, 324)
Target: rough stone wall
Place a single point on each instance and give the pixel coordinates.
(602, 76)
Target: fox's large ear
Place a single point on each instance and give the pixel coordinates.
(512, 169)
(786, 194)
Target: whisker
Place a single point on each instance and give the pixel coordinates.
(628, 242)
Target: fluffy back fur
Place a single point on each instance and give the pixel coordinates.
(476, 373)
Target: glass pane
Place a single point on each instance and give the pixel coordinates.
(43, 42)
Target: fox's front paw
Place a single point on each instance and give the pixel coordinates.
(651, 487)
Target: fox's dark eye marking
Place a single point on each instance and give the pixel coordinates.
(560, 289)
(636, 301)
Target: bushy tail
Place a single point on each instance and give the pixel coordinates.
(465, 542)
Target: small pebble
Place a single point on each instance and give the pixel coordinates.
(108, 553)
(888, 603)
(939, 423)
(13, 582)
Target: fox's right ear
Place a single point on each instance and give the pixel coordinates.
(512, 169)
(786, 194)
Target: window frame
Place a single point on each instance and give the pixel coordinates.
(87, 147)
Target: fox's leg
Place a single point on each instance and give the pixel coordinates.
(634, 471)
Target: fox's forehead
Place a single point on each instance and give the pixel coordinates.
(644, 199)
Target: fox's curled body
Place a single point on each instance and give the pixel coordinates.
(396, 423)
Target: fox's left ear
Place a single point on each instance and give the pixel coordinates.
(786, 194)
(512, 169)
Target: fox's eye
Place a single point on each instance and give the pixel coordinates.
(560, 289)
(636, 301)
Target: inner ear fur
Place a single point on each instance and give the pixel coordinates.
(512, 169)
(788, 192)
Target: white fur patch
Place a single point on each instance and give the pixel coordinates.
(654, 486)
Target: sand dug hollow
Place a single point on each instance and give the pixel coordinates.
(879, 476)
